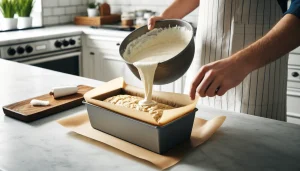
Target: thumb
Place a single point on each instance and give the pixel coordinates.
(152, 20)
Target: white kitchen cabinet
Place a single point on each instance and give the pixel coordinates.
(293, 108)
(293, 87)
(92, 64)
(102, 61)
(111, 68)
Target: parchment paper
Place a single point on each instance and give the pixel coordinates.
(202, 131)
(182, 102)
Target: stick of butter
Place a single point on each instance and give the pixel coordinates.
(35, 102)
(63, 91)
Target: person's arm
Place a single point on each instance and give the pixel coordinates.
(227, 73)
(177, 10)
(282, 39)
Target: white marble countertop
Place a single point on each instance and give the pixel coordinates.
(21, 36)
(243, 142)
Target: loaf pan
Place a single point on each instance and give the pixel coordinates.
(158, 139)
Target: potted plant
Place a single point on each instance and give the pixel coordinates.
(92, 9)
(7, 8)
(23, 9)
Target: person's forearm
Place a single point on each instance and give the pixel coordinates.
(280, 40)
(180, 8)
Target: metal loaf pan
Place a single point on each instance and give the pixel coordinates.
(158, 139)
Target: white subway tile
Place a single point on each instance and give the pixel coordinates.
(169, 2)
(50, 3)
(195, 12)
(51, 20)
(73, 17)
(191, 19)
(118, 2)
(64, 2)
(148, 7)
(82, 14)
(81, 9)
(116, 9)
(125, 8)
(153, 2)
(71, 10)
(75, 2)
(47, 11)
(58, 11)
(131, 8)
(161, 9)
(78, 7)
(91, 1)
(65, 19)
(135, 2)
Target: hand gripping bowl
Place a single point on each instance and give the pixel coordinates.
(172, 69)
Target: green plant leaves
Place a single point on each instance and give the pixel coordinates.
(24, 7)
(8, 8)
(93, 5)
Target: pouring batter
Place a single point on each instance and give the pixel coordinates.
(240, 53)
(154, 47)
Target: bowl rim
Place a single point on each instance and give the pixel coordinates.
(180, 20)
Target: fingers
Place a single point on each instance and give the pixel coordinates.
(152, 20)
(222, 90)
(205, 84)
(211, 91)
(197, 81)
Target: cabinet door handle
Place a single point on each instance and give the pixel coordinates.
(295, 74)
(118, 44)
(92, 53)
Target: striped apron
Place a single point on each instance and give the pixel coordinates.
(227, 26)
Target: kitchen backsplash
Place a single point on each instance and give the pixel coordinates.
(63, 11)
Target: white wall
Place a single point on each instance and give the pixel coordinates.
(63, 11)
(155, 5)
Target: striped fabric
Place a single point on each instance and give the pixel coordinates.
(227, 26)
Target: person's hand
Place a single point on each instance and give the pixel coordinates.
(152, 20)
(218, 77)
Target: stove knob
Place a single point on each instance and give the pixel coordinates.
(295, 74)
(65, 43)
(28, 49)
(57, 44)
(11, 51)
(20, 50)
(72, 42)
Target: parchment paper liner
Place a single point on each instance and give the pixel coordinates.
(182, 102)
(202, 131)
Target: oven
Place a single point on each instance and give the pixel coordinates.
(62, 55)
(66, 62)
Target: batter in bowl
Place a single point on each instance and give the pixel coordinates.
(154, 47)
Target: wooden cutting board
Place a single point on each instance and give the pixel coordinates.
(97, 21)
(25, 112)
